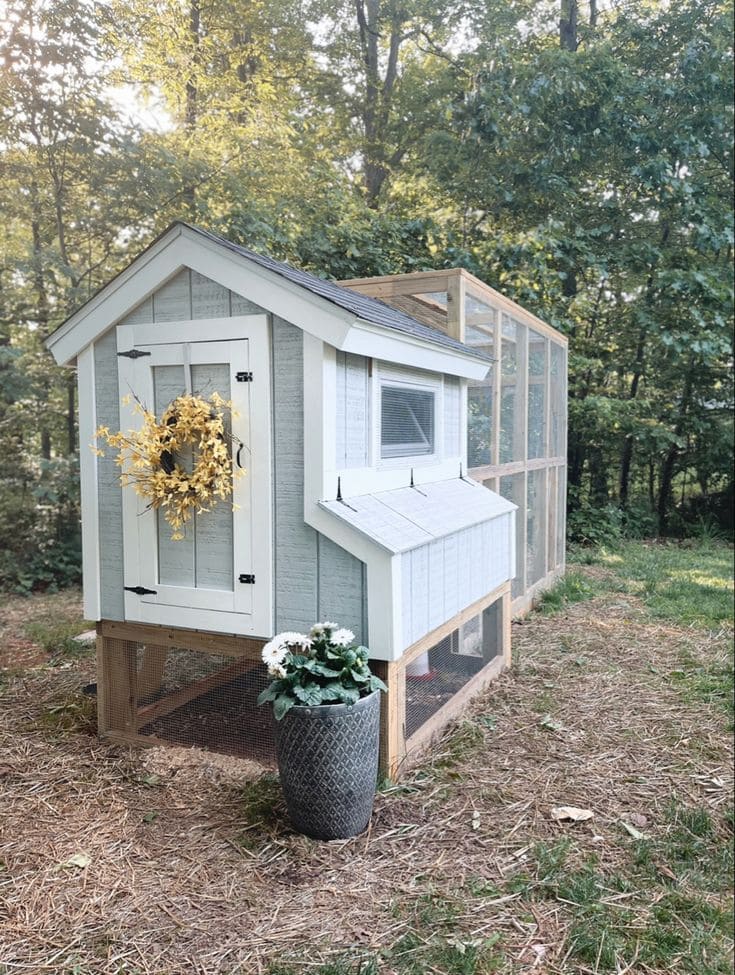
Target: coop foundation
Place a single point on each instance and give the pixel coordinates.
(166, 686)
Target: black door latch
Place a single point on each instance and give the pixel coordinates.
(141, 590)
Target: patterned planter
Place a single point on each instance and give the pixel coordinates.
(328, 764)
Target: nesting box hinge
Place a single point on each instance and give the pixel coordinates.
(244, 377)
(133, 354)
(247, 578)
(141, 590)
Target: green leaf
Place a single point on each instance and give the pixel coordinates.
(282, 706)
(349, 695)
(325, 670)
(376, 684)
(269, 694)
(360, 678)
(310, 694)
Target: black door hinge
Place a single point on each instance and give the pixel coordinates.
(246, 578)
(133, 354)
(141, 590)
(244, 377)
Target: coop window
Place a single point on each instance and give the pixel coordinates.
(407, 427)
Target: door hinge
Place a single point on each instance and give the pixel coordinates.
(243, 377)
(133, 354)
(141, 590)
(247, 578)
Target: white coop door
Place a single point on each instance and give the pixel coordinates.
(218, 577)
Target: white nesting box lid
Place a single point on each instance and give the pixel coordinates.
(441, 547)
(406, 518)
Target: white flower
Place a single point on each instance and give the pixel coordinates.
(291, 639)
(342, 638)
(274, 652)
(277, 670)
(319, 630)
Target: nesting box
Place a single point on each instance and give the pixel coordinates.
(351, 423)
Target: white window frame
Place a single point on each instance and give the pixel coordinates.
(408, 450)
(397, 379)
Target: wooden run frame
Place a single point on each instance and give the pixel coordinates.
(411, 292)
(397, 751)
(126, 692)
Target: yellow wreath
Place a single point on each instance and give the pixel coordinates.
(151, 458)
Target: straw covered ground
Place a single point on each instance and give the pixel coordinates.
(172, 861)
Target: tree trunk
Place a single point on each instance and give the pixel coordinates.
(599, 490)
(378, 99)
(627, 456)
(665, 493)
(191, 105)
(568, 25)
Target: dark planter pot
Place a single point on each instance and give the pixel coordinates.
(328, 764)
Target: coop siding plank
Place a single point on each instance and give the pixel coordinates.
(340, 587)
(419, 592)
(436, 587)
(296, 582)
(356, 411)
(142, 314)
(239, 305)
(451, 589)
(109, 492)
(172, 302)
(208, 299)
(451, 416)
(341, 410)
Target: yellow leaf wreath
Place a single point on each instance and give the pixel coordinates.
(150, 458)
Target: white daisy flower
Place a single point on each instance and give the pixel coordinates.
(274, 652)
(342, 638)
(291, 639)
(277, 670)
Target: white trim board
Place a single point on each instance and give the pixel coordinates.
(91, 572)
(181, 247)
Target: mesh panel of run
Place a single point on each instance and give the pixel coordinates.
(189, 697)
(433, 678)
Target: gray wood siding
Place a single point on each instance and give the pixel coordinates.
(342, 588)
(109, 492)
(445, 576)
(315, 579)
(353, 411)
(189, 296)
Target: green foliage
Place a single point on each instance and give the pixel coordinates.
(593, 185)
(324, 667)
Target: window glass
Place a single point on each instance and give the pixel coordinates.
(406, 422)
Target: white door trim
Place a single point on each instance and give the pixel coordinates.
(248, 609)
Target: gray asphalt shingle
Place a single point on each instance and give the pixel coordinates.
(367, 309)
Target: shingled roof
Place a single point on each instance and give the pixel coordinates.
(364, 307)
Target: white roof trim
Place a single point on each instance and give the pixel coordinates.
(182, 247)
(406, 518)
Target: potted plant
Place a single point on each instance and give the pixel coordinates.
(326, 705)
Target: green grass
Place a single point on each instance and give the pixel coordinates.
(683, 582)
(56, 637)
(574, 587)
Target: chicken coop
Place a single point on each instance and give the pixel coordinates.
(402, 442)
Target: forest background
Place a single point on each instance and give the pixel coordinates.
(576, 156)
